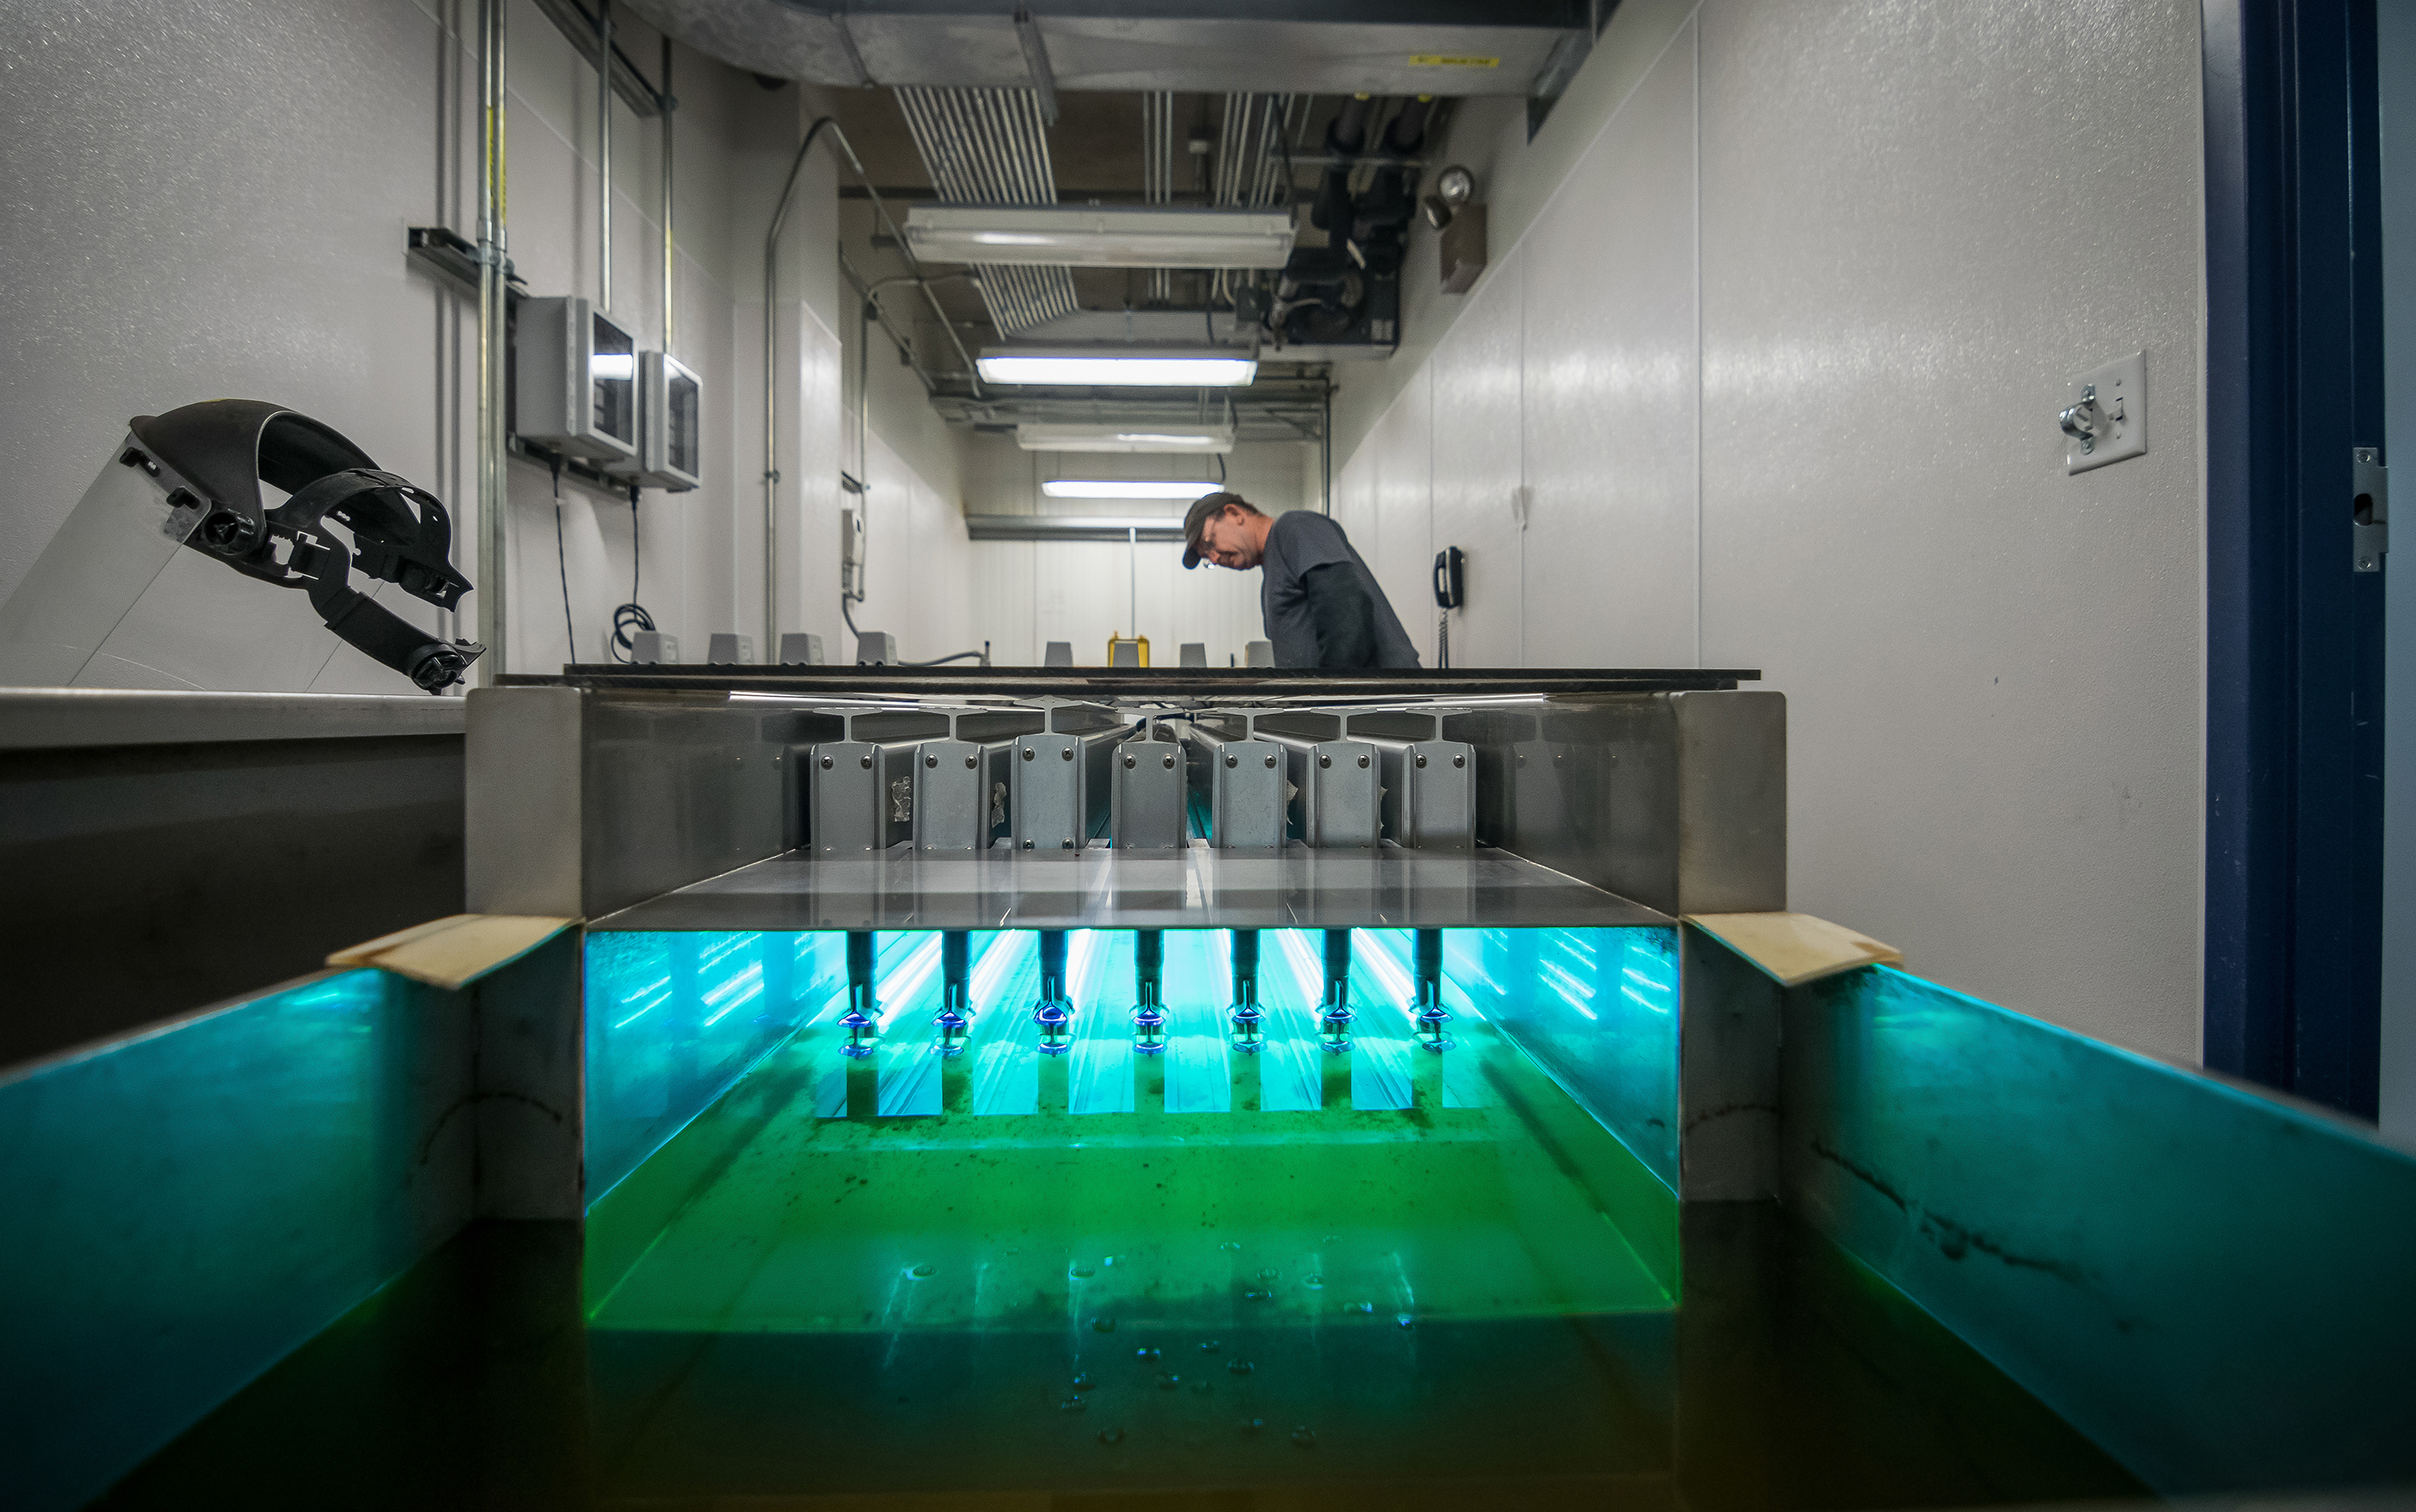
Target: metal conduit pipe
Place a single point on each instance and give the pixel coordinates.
(603, 158)
(772, 348)
(669, 263)
(493, 53)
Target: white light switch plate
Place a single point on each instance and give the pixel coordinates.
(2123, 393)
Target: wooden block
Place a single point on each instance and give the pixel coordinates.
(1794, 948)
(454, 952)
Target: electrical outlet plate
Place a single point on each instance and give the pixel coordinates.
(2122, 393)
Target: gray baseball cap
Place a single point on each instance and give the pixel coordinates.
(1203, 509)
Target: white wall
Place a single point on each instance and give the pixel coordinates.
(1026, 593)
(213, 203)
(1773, 369)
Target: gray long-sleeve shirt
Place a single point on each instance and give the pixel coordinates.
(1321, 605)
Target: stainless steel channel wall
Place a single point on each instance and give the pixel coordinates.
(582, 801)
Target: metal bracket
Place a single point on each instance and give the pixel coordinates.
(2370, 503)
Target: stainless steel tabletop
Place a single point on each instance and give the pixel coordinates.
(1097, 888)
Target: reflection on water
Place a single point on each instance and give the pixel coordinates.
(1487, 1305)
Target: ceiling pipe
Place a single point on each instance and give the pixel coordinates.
(1035, 61)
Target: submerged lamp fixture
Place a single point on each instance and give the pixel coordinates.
(1126, 489)
(1099, 236)
(1105, 366)
(1140, 436)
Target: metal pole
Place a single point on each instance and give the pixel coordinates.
(494, 87)
(771, 348)
(604, 155)
(671, 266)
(1132, 544)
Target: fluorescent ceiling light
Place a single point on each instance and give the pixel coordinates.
(1126, 488)
(1111, 367)
(1100, 236)
(1143, 437)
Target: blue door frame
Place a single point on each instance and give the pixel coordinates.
(2294, 635)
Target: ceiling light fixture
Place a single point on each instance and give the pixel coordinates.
(1126, 489)
(1140, 437)
(1115, 367)
(1100, 236)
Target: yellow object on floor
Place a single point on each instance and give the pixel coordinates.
(1794, 948)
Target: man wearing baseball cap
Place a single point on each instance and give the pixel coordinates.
(1321, 605)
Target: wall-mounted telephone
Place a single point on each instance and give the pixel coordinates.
(1450, 577)
(850, 555)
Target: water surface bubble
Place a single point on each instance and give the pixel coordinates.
(1254, 1296)
(1315, 1284)
(1081, 1381)
(1209, 1346)
(1405, 1320)
(1230, 1244)
(923, 1271)
(1167, 1382)
(1148, 1353)
(1104, 1325)
(1267, 1275)
(1302, 1438)
(1363, 1306)
(1081, 1273)
(1073, 1404)
(1203, 1387)
(1254, 1425)
(1111, 1436)
(1240, 1367)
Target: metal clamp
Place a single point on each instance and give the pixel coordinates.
(2085, 421)
(2370, 510)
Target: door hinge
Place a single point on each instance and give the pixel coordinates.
(2370, 503)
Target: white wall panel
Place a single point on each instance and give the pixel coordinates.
(1908, 243)
(1992, 666)
(1610, 390)
(138, 232)
(1404, 509)
(1477, 466)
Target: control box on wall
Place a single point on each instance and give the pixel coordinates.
(667, 453)
(575, 385)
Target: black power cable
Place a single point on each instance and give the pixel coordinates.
(562, 560)
(631, 618)
(982, 656)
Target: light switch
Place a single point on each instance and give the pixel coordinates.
(2105, 418)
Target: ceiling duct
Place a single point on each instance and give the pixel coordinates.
(1211, 47)
(990, 146)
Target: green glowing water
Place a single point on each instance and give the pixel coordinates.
(1487, 1305)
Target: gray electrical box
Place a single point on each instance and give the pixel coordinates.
(575, 387)
(728, 649)
(669, 454)
(1429, 793)
(876, 648)
(1044, 803)
(653, 645)
(1147, 786)
(800, 648)
(843, 797)
(1246, 796)
(949, 803)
